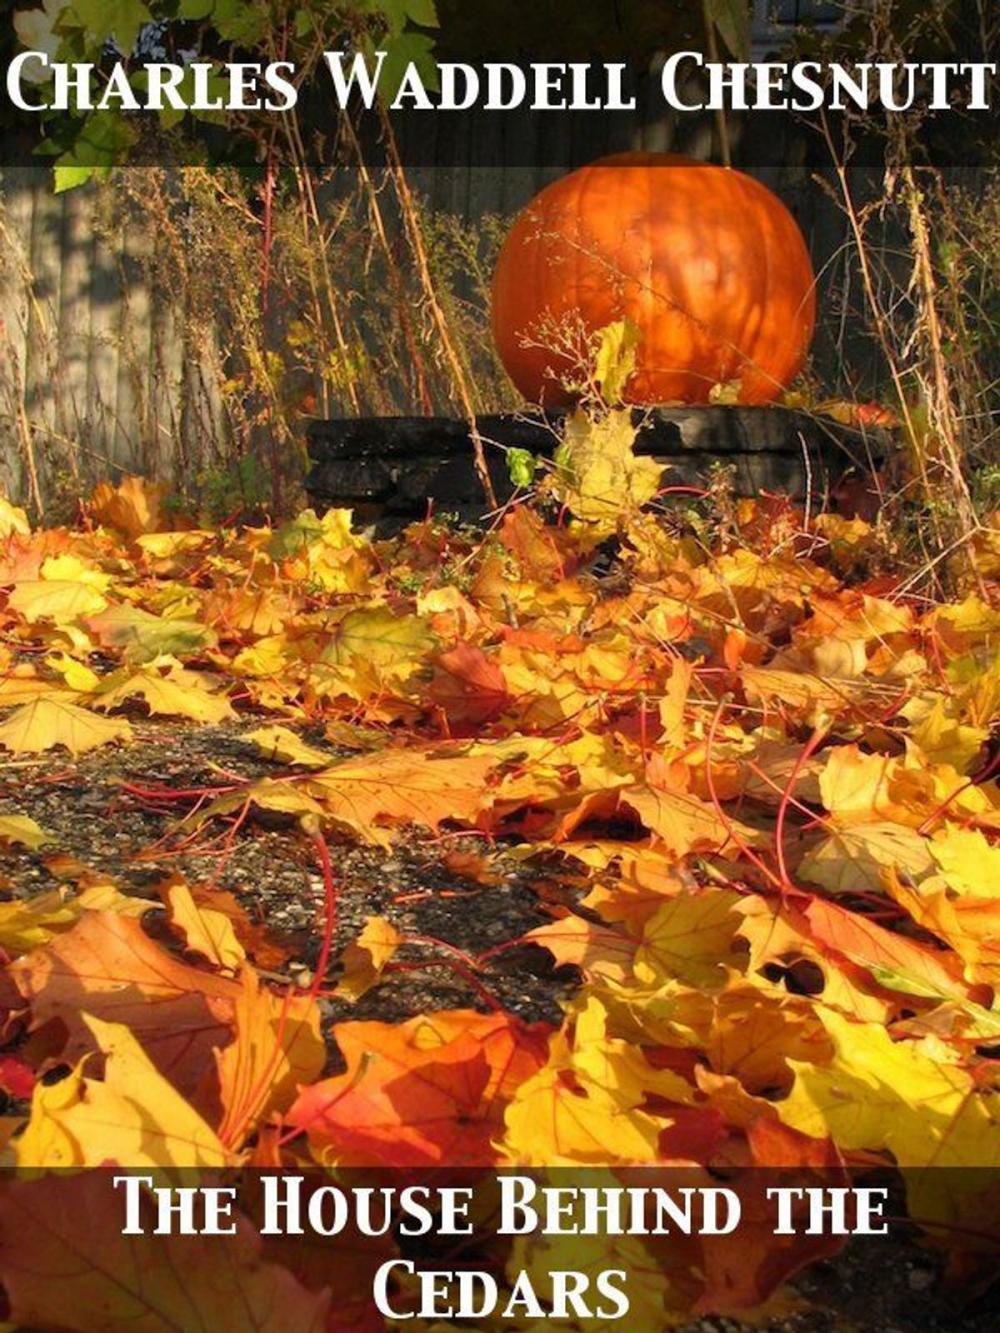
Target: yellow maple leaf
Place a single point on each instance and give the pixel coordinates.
(56, 600)
(614, 360)
(169, 689)
(22, 683)
(165, 545)
(885, 1096)
(23, 830)
(854, 858)
(691, 938)
(28, 923)
(365, 957)
(942, 736)
(554, 1120)
(134, 1117)
(31, 923)
(206, 932)
(395, 644)
(13, 521)
(71, 569)
(283, 746)
(267, 657)
(969, 864)
(871, 788)
(597, 473)
(276, 1048)
(47, 722)
(682, 821)
(968, 923)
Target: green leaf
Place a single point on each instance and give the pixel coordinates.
(118, 19)
(379, 635)
(240, 23)
(103, 140)
(70, 178)
(522, 466)
(411, 48)
(731, 20)
(422, 12)
(397, 13)
(296, 536)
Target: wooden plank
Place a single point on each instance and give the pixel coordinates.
(134, 412)
(105, 308)
(73, 328)
(165, 452)
(17, 204)
(42, 373)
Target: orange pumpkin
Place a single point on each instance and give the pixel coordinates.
(707, 262)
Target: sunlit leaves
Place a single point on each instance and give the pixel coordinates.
(758, 807)
(24, 830)
(140, 636)
(598, 474)
(276, 1049)
(853, 859)
(167, 688)
(53, 599)
(428, 1092)
(881, 1095)
(45, 723)
(365, 958)
(615, 359)
(133, 1116)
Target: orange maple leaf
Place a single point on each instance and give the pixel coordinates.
(428, 1092)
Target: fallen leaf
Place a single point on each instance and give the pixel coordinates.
(172, 691)
(23, 831)
(854, 859)
(365, 957)
(107, 966)
(468, 685)
(133, 507)
(428, 1092)
(283, 746)
(207, 933)
(133, 1117)
(44, 724)
(276, 1048)
(59, 601)
(141, 637)
(64, 1263)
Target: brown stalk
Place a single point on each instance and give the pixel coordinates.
(415, 233)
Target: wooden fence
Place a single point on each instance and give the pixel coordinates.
(90, 368)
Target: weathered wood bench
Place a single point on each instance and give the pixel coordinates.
(388, 468)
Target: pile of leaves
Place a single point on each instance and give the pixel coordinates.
(766, 780)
